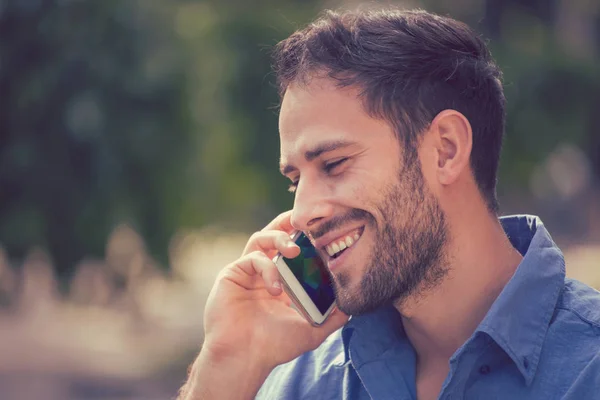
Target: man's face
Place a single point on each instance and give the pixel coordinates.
(372, 218)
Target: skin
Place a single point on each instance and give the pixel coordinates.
(248, 325)
(401, 249)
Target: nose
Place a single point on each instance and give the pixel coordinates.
(311, 204)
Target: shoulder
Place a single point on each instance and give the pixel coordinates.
(313, 370)
(581, 302)
(572, 343)
(569, 363)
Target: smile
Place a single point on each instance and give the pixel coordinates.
(337, 246)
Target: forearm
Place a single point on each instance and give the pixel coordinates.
(214, 378)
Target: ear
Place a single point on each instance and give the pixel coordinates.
(453, 139)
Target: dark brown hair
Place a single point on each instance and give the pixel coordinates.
(409, 66)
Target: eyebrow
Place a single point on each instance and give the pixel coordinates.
(318, 150)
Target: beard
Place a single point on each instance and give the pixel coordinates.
(408, 257)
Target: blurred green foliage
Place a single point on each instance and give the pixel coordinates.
(92, 127)
(164, 114)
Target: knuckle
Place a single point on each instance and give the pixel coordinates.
(234, 265)
(255, 236)
(256, 254)
(280, 238)
(224, 273)
(260, 256)
(282, 215)
(282, 235)
(266, 264)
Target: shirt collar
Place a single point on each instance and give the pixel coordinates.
(517, 321)
(519, 318)
(376, 332)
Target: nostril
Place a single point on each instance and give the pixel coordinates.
(314, 221)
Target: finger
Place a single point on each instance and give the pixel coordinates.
(283, 222)
(269, 241)
(256, 264)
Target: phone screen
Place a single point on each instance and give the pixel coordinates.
(311, 272)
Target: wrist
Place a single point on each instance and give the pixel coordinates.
(251, 356)
(212, 373)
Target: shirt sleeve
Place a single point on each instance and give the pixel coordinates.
(280, 384)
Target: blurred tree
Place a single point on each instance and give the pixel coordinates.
(92, 125)
(234, 100)
(164, 114)
(551, 89)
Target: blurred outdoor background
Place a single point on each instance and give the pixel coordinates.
(139, 148)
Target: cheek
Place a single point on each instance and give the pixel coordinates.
(362, 194)
(352, 191)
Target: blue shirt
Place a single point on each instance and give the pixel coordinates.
(539, 340)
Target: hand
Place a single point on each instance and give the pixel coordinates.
(248, 316)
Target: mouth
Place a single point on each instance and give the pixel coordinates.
(342, 244)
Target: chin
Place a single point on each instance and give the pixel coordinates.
(347, 289)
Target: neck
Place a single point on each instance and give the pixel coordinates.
(481, 261)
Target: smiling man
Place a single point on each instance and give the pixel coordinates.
(391, 125)
(354, 181)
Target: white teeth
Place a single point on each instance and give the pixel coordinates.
(334, 248)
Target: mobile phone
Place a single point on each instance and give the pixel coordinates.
(306, 280)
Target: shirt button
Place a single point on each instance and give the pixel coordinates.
(484, 369)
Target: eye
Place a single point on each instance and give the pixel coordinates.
(329, 167)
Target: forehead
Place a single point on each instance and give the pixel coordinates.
(321, 112)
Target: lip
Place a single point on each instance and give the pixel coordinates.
(335, 263)
(330, 237)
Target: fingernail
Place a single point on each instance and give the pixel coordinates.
(277, 285)
(291, 245)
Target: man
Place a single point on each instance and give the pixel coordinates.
(391, 125)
